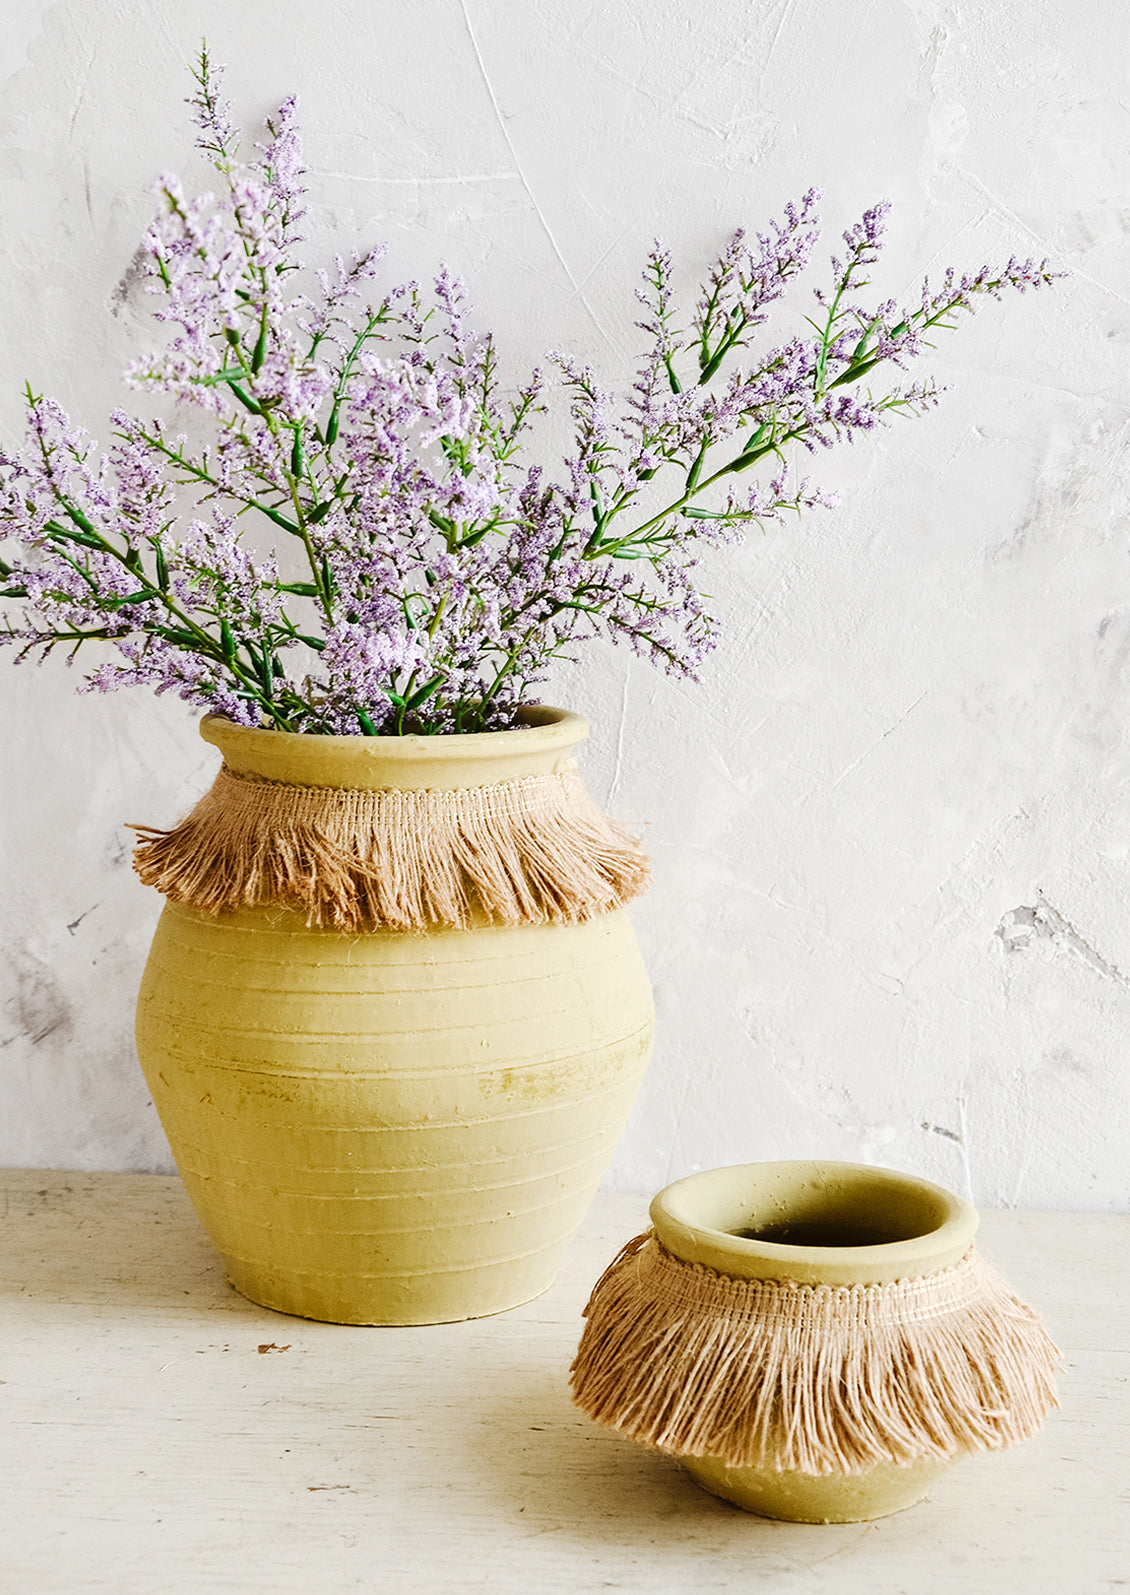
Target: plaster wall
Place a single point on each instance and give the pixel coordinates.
(890, 826)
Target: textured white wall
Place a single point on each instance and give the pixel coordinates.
(890, 828)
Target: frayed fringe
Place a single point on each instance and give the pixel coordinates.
(522, 852)
(811, 1378)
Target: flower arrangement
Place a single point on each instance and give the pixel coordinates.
(426, 576)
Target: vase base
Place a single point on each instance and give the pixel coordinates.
(385, 1128)
(396, 1303)
(811, 1498)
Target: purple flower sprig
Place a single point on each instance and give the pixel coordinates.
(423, 575)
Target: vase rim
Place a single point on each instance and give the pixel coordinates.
(559, 726)
(543, 743)
(701, 1219)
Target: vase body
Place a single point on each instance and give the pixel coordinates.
(387, 1127)
(850, 1225)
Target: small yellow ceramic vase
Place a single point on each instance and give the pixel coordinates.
(380, 1126)
(837, 1224)
(812, 1341)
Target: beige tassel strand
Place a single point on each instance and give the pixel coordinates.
(815, 1379)
(522, 852)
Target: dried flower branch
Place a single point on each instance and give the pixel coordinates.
(440, 575)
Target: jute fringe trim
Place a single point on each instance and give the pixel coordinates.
(522, 852)
(811, 1378)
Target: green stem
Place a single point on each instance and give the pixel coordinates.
(740, 462)
(507, 669)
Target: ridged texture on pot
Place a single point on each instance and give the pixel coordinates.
(391, 1128)
(380, 1126)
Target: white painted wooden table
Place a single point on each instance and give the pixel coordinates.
(159, 1435)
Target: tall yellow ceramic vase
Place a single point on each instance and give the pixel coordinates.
(382, 1126)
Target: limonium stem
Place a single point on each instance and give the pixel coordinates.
(442, 574)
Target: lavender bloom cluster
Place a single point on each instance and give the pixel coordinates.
(437, 574)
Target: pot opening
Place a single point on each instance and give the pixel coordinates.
(840, 1217)
(839, 1213)
(810, 1213)
(818, 1232)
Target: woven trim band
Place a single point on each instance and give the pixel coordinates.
(521, 852)
(815, 1379)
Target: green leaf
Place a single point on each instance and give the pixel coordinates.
(696, 467)
(853, 374)
(260, 348)
(245, 398)
(706, 515)
(80, 519)
(64, 534)
(750, 457)
(423, 693)
(177, 634)
(300, 589)
(162, 569)
(331, 428)
(317, 643)
(366, 724)
(280, 520)
(319, 513)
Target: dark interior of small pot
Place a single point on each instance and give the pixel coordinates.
(823, 1232)
(829, 1212)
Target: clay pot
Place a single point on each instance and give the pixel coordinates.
(815, 1223)
(384, 1127)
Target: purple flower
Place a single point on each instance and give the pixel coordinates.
(359, 545)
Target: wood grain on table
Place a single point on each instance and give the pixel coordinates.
(160, 1435)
